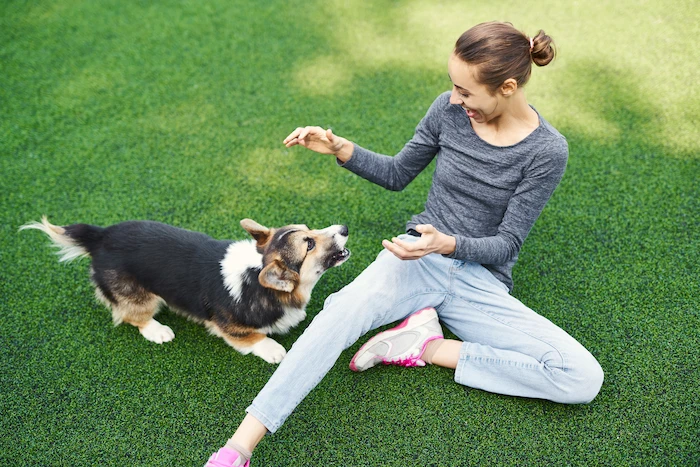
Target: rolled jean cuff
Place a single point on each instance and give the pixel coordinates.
(271, 427)
(463, 357)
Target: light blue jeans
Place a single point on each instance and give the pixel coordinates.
(508, 348)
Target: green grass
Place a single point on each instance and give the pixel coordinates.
(175, 111)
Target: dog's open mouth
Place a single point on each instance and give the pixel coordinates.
(339, 258)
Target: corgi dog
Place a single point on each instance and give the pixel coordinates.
(240, 290)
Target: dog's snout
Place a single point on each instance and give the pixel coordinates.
(344, 230)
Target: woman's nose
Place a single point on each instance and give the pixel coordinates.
(455, 98)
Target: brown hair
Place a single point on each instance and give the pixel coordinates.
(502, 52)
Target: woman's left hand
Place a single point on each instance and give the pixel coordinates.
(430, 241)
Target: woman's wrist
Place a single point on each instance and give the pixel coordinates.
(344, 153)
(448, 245)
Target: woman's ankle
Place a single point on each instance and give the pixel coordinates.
(249, 433)
(430, 350)
(443, 352)
(242, 451)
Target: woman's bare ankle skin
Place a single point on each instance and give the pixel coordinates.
(249, 433)
(447, 354)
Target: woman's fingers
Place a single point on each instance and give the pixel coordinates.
(395, 249)
(407, 246)
(292, 136)
(425, 228)
(310, 131)
(314, 138)
(299, 134)
(404, 250)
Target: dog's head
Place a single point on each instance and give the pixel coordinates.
(295, 257)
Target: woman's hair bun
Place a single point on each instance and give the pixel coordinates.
(543, 50)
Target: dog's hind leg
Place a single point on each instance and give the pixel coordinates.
(140, 313)
(156, 332)
(131, 303)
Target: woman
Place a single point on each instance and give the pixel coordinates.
(498, 163)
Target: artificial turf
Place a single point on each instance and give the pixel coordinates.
(175, 111)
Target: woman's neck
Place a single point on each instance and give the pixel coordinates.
(517, 113)
(515, 122)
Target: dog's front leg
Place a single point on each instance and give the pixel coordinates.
(257, 344)
(269, 350)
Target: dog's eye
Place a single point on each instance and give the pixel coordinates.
(310, 244)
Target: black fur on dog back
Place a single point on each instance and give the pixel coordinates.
(87, 236)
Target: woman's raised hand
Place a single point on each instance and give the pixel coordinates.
(319, 140)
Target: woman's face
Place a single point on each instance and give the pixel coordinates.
(475, 98)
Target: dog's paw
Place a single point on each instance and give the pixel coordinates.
(269, 350)
(156, 332)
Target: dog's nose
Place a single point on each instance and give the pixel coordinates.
(344, 230)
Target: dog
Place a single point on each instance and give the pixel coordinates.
(240, 290)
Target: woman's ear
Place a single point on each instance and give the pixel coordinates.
(508, 87)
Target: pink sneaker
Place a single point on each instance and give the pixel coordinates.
(225, 457)
(403, 345)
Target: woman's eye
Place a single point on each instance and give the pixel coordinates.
(310, 243)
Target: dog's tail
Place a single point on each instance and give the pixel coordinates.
(73, 241)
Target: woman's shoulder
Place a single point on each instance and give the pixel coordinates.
(441, 103)
(553, 139)
(553, 132)
(441, 110)
(444, 98)
(435, 116)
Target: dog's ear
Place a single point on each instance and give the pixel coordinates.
(276, 276)
(260, 233)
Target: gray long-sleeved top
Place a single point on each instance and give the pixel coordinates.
(488, 197)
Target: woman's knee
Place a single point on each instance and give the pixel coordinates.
(586, 379)
(353, 303)
(348, 315)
